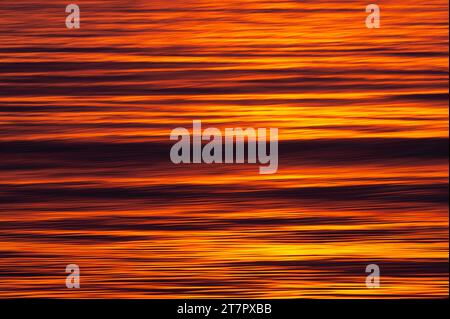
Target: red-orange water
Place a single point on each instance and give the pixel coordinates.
(86, 178)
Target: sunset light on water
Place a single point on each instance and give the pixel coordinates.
(86, 177)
